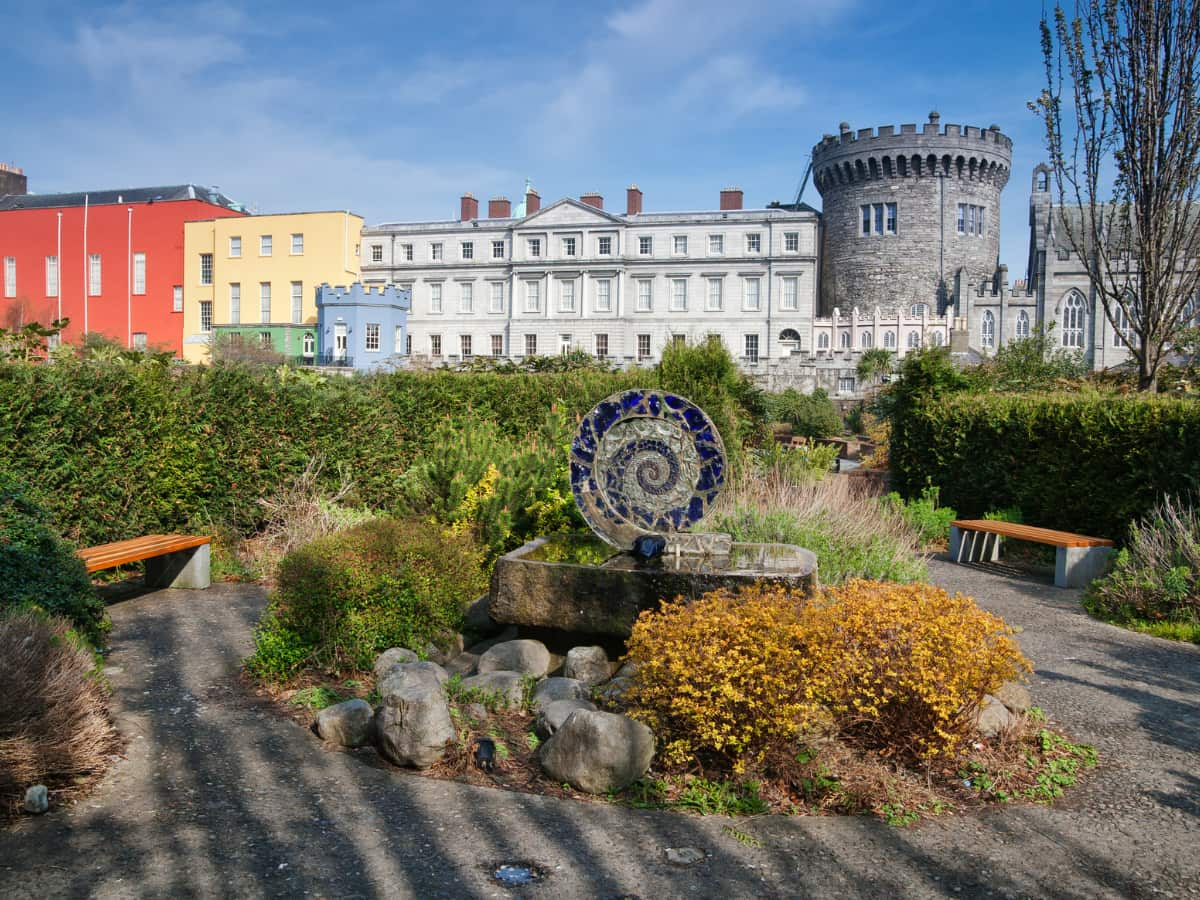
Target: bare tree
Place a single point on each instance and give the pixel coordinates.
(1122, 118)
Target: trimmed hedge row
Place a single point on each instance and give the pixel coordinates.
(113, 450)
(1088, 463)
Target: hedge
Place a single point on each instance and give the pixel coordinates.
(1088, 463)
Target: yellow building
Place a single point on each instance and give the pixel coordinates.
(256, 278)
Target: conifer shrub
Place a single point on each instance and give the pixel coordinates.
(344, 598)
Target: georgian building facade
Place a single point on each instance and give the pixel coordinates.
(572, 275)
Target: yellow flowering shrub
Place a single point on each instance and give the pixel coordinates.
(902, 668)
(718, 674)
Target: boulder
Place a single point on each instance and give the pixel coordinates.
(464, 664)
(614, 691)
(550, 689)
(508, 634)
(37, 799)
(525, 656)
(552, 715)
(395, 657)
(508, 688)
(413, 725)
(627, 670)
(993, 717)
(478, 619)
(1014, 696)
(587, 664)
(348, 724)
(400, 676)
(597, 752)
(444, 649)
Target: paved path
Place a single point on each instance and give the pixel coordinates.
(219, 796)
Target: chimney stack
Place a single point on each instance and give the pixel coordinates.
(499, 208)
(731, 198)
(533, 201)
(469, 209)
(12, 180)
(592, 199)
(633, 200)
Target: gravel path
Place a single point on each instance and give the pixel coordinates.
(219, 796)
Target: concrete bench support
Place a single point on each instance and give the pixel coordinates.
(182, 569)
(973, 546)
(1079, 566)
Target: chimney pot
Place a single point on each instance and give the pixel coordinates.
(499, 208)
(469, 208)
(633, 200)
(592, 199)
(533, 202)
(731, 198)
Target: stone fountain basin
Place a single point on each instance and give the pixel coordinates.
(581, 584)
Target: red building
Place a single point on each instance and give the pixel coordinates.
(110, 261)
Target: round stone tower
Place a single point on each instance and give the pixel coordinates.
(904, 211)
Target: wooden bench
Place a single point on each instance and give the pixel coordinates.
(172, 560)
(1079, 558)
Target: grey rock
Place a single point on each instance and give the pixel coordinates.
(401, 676)
(1014, 696)
(552, 715)
(509, 633)
(37, 799)
(550, 689)
(627, 670)
(464, 664)
(445, 649)
(525, 656)
(477, 712)
(348, 724)
(390, 658)
(478, 619)
(614, 691)
(587, 664)
(597, 752)
(413, 725)
(509, 687)
(993, 717)
(684, 856)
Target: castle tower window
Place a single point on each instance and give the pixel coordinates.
(845, 340)
(890, 221)
(889, 340)
(1023, 324)
(936, 339)
(987, 331)
(372, 342)
(1072, 331)
(866, 219)
(962, 218)
(918, 309)
(913, 340)
(823, 340)
(865, 340)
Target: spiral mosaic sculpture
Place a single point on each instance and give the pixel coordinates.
(645, 462)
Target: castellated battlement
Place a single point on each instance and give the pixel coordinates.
(360, 294)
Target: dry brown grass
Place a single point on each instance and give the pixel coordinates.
(54, 723)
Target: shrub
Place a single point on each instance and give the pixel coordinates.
(718, 675)
(1156, 576)
(931, 522)
(39, 569)
(811, 462)
(345, 598)
(811, 415)
(903, 668)
(54, 724)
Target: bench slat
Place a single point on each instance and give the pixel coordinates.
(118, 553)
(1031, 533)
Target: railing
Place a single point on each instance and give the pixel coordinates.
(325, 359)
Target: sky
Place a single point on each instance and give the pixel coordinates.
(394, 109)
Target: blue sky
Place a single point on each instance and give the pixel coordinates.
(394, 109)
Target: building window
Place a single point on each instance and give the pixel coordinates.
(751, 294)
(265, 341)
(177, 298)
(713, 301)
(235, 247)
(866, 340)
(914, 340)
(1072, 332)
(139, 273)
(643, 346)
(533, 296)
(531, 345)
(235, 303)
(1023, 324)
(206, 316)
(377, 253)
(791, 241)
(791, 294)
(94, 273)
(467, 249)
(435, 297)
(679, 294)
(398, 341)
(496, 304)
(372, 337)
(987, 330)
(297, 302)
(10, 276)
(568, 246)
(754, 243)
(679, 245)
(604, 246)
(752, 348)
(139, 340)
(865, 210)
(716, 244)
(406, 251)
(645, 295)
(889, 340)
(845, 340)
(535, 246)
(264, 302)
(466, 297)
(979, 221)
(566, 295)
(881, 215)
(603, 295)
(564, 344)
(206, 267)
(435, 345)
(823, 340)
(601, 345)
(435, 252)
(970, 219)
(918, 310)
(890, 220)
(51, 276)
(297, 244)
(264, 245)
(845, 385)
(497, 249)
(310, 344)
(645, 245)
(408, 345)
(935, 338)
(962, 218)
(497, 345)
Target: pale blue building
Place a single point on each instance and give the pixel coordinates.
(365, 328)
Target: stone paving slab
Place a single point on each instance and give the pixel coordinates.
(221, 797)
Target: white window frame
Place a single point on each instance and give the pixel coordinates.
(398, 341)
(645, 245)
(297, 246)
(264, 302)
(465, 346)
(95, 273)
(714, 294)
(497, 249)
(435, 345)
(601, 344)
(603, 295)
(206, 316)
(206, 268)
(679, 245)
(466, 250)
(566, 295)
(790, 295)
(987, 330)
(679, 298)
(866, 340)
(1074, 322)
(751, 294)
(177, 298)
(913, 341)
(235, 303)
(466, 297)
(604, 245)
(308, 345)
(531, 345)
(435, 298)
(846, 384)
(716, 245)
(297, 302)
(845, 340)
(406, 251)
(750, 347)
(570, 246)
(533, 295)
(496, 300)
(645, 295)
(754, 242)
(10, 276)
(377, 253)
(791, 242)
(235, 246)
(497, 345)
(52, 276)
(643, 346)
(266, 245)
(371, 337)
(436, 251)
(823, 340)
(889, 340)
(1022, 324)
(534, 247)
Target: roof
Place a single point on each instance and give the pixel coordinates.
(117, 196)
